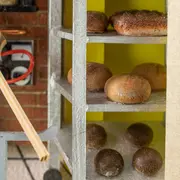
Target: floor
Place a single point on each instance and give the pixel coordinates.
(24, 164)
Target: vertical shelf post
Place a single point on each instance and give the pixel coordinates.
(79, 90)
(173, 93)
(54, 73)
(3, 158)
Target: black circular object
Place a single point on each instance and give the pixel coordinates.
(52, 174)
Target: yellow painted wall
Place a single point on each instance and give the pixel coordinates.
(122, 58)
(95, 52)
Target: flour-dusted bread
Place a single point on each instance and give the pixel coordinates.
(147, 161)
(97, 22)
(139, 134)
(96, 136)
(155, 73)
(127, 89)
(109, 163)
(139, 23)
(97, 75)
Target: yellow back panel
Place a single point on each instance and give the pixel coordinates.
(122, 58)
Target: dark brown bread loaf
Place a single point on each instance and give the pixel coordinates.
(96, 136)
(97, 75)
(139, 134)
(147, 161)
(109, 163)
(97, 22)
(139, 23)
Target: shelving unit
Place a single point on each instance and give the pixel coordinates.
(74, 154)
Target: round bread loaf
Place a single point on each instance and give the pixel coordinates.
(96, 136)
(97, 75)
(97, 22)
(109, 163)
(128, 89)
(155, 73)
(139, 23)
(139, 134)
(147, 161)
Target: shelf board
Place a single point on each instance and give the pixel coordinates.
(97, 102)
(117, 141)
(46, 135)
(111, 37)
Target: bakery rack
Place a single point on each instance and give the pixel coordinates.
(74, 153)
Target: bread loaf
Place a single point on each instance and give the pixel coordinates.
(97, 22)
(96, 136)
(128, 89)
(147, 161)
(139, 23)
(155, 73)
(109, 163)
(97, 75)
(139, 134)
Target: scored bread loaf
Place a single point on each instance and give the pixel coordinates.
(139, 23)
(97, 75)
(97, 22)
(155, 73)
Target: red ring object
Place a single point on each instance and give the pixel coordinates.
(31, 66)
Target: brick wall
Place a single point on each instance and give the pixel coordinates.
(32, 98)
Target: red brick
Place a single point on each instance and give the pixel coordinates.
(37, 32)
(35, 47)
(22, 18)
(43, 72)
(13, 125)
(24, 99)
(32, 113)
(41, 59)
(43, 18)
(42, 4)
(43, 46)
(2, 19)
(40, 86)
(43, 99)
(2, 100)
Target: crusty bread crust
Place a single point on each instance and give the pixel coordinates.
(139, 23)
(97, 22)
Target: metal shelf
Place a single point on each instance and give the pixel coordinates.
(94, 101)
(46, 135)
(116, 140)
(110, 37)
(97, 102)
